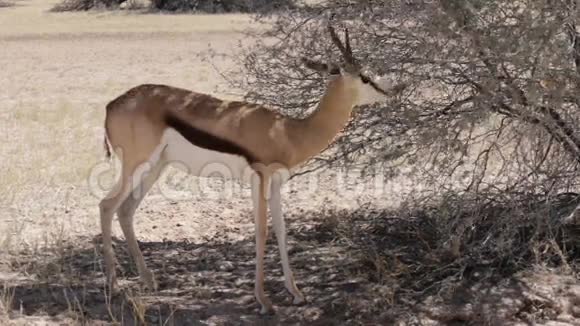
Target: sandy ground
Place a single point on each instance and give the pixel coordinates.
(58, 73)
(60, 70)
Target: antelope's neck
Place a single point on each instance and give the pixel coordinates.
(315, 133)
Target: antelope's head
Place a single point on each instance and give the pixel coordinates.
(349, 71)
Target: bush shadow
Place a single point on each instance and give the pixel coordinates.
(198, 283)
(354, 266)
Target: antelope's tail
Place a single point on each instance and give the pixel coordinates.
(107, 148)
(106, 142)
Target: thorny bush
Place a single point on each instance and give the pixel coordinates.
(491, 113)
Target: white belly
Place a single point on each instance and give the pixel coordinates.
(198, 161)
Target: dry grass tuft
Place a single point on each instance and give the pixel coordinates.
(458, 260)
(6, 300)
(436, 251)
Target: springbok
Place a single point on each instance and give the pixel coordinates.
(152, 125)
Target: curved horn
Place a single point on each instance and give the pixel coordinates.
(346, 51)
(347, 43)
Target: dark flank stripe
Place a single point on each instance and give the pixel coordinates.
(206, 140)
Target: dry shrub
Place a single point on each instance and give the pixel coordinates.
(206, 6)
(490, 116)
(221, 6)
(458, 241)
(475, 82)
(84, 5)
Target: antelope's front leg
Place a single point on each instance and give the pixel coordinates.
(261, 223)
(275, 201)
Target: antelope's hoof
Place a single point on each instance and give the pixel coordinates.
(149, 281)
(299, 299)
(267, 310)
(266, 306)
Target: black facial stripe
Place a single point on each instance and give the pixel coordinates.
(365, 79)
(377, 88)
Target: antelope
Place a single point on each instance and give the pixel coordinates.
(152, 125)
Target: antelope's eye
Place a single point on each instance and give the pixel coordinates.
(334, 71)
(365, 79)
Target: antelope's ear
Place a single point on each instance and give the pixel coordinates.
(315, 65)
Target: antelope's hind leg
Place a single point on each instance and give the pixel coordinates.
(126, 213)
(108, 206)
